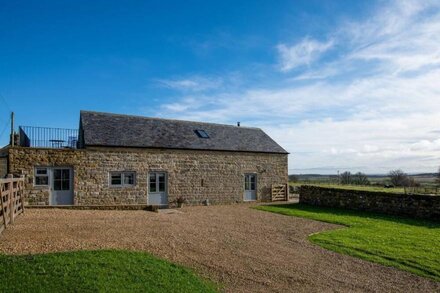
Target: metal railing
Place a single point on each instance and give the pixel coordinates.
(45, 137)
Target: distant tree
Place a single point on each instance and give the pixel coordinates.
(293, 178)
(360, 179)
(400, 178)
(345, 178)
(412, 182)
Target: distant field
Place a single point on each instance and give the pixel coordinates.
(425, 180)
(353, 187)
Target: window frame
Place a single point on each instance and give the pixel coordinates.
(248, 182)
(122, 177)
(47, 175)
(62, 180)
(157, 181)
(202, 133)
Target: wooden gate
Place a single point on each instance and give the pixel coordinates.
(11, 200)
(280, 192)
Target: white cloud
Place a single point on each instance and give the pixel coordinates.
(193, 83)
(426, 145)
(373, 145)
(373, 108)
(404, 37)
(302, 53)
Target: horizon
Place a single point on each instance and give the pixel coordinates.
(342, 86)
(367, 174)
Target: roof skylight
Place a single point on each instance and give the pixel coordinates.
(201, 133)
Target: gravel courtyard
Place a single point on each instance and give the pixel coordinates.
(244, 249)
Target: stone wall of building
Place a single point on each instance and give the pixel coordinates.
(196, 175)
(3, 166)
(4, 161)
(419, 206)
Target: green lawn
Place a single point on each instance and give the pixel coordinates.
(354, 187)
(96, 271)
(407, 244)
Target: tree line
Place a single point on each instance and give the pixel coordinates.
(397, 178)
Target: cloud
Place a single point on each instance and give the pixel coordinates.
(302, 53)
(379, 144)
(403, 37)
(193, 83)
(427, 145)
(372, 107)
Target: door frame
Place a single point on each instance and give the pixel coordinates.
(51, 183)
(256, 187)
(166, 184)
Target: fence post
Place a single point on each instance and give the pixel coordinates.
(21, 191)
(5, 220)
(11, 198)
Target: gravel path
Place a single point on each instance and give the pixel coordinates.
(244, 249)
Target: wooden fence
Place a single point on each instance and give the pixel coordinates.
(280, 192)
(11, 200)
(423, 190)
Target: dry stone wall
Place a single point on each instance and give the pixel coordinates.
(419, 206)
(196, 175)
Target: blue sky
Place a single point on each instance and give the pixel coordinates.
(342, 85)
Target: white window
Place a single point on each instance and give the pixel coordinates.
(41, 177)
(157, 182)
(122, 178)
(128, 178)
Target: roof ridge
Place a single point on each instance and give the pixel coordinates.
(166, 119)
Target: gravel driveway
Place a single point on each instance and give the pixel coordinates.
(244, 249)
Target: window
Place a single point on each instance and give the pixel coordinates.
(116, 179)
(161, 180)
(128, 178)
(250, 182)
(157, 182)
(201, 133)
(61, 179)
(153, 182)
(122, 178)
(41, 177)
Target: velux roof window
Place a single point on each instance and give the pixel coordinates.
(201, 133)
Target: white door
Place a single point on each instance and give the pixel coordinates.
(157, 189)
(61, 189)
(250, 187)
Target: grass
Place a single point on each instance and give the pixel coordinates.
(407, 244)
(399, 190)
(96, 271)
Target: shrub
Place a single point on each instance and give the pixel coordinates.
(345, 178)
(401, 179)
(360, 179)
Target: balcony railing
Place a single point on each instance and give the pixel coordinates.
(44, 137)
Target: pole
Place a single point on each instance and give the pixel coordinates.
(11, 198)
(12, 129)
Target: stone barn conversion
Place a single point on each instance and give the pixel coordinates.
(117, 159)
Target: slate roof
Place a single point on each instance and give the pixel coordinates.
(115, 130)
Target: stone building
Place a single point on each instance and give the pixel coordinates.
(119, 159)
